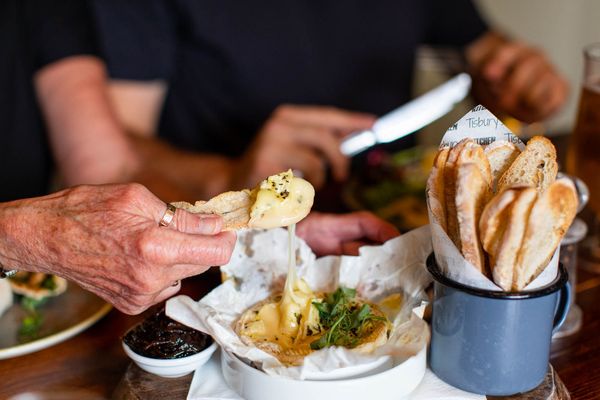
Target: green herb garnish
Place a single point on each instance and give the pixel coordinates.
(343, 319)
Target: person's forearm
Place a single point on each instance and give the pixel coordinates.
(168, 171)
(88, 143)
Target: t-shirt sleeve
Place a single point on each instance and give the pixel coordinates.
(59, 29)
(136, 38)
(453, 23)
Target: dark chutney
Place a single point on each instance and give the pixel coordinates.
(159, 336)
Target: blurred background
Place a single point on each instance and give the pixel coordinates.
(560, 28)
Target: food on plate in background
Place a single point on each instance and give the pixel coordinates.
(278, 201)
(297, 322)
(37, 285)
(158, 336)
(392, 185)
(502, 208)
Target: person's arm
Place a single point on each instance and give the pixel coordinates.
(107, 239)
(514, 78)
(88, 144)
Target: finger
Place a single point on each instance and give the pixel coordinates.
(168, 292)
(365, 225)
(182, 271)
(325, 141)
(168, 247)
(501, 61)
(312, 166)
(331, 117)
(547, 94)
(522, 78)
(199, 224)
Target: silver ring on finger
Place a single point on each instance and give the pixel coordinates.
(168, 216)
(176, 283)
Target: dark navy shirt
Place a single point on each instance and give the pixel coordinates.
(229, 63)
(33, 33)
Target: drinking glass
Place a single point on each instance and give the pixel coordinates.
(583, 158)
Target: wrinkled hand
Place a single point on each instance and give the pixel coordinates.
(303, 138)
(107, 239)
(333, 234)
(514, 78)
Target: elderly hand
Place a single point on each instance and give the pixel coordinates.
(107, 239)
(303, 138)
(332, 234)
(512, 77)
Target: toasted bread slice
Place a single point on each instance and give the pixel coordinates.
(493, 221)
(233, 207)
(435, 187)
(536, 166)
(294, 355)
(505, 256)
(450, 172)
(472, 193)
(550, 218)
(501, 155)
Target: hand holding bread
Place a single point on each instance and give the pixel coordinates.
(502, 208)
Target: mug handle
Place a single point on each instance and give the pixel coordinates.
(562, 308)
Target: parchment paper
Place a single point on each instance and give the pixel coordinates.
(258, 268)
(484, 128)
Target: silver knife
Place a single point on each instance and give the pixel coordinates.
(410, 117)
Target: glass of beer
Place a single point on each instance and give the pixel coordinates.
(583, 158)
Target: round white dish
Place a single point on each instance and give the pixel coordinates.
(171, 368)
(393, 384)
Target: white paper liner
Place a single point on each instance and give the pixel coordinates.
(258, 268)
(483, 127)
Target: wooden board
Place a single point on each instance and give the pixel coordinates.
(140, 385)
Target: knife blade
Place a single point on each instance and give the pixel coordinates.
(410, 117)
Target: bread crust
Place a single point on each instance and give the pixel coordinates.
(435, 187)
(505, 256)
(550, 217)
(501, 155)
(536, 166)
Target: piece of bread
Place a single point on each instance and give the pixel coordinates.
(550, 217)
(501, 155)
(450, 172)
(233, 207)
(536, 166)
(507, 249)
(472, 194)
(435, 187)
(492, 222)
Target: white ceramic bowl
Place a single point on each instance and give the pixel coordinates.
(171, 368)
(395, 383)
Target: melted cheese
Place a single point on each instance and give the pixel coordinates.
(289, 321)
(281, 200)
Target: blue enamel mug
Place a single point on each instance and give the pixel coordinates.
(494, 343)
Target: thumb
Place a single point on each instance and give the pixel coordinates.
(199, 224)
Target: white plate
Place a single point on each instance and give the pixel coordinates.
(64, 316)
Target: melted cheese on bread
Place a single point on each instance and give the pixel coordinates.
(281, 200)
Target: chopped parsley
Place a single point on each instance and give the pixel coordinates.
(343, 319)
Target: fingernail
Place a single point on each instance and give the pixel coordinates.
(209, 225)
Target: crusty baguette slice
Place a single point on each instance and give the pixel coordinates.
(435, 187)
(536, 166)
(450, 172)
(501, 155)
(233, 207)
(472, 193)
(493, 221)
(474, 153)
(505, 256)
(551, 215)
